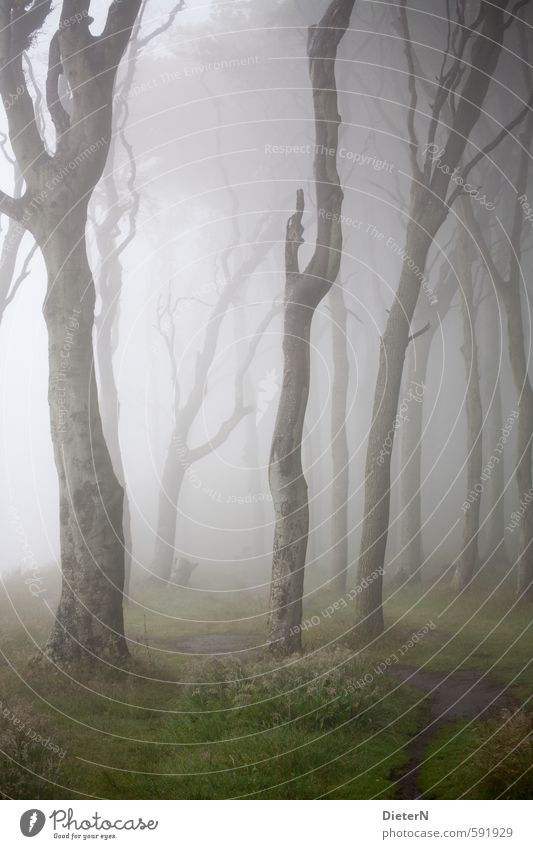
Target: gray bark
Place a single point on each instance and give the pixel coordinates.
(174, 471)
(490, 355)
(107, 323)
(469, 557)
(304, 290)
(509, 293)
(339, 442)
(410, 521)
(377, 474)
(89, 617)
(429, 208)
(89, 620)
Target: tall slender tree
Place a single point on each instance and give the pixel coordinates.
(462, 92)
(113, 239)
(304, 290)
(469, 556)
(58, 187)
(429, 318)
(509, 286)
(181, 455)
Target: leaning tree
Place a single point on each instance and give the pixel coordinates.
(304, 290)
(469, 60)
(510, 287)
(53, 208)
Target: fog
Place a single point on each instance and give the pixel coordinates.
(221, 130)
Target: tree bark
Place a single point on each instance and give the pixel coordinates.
(428, 211)
(490, 356)
(469, 557)
(519, 368)
(288, 485)
(174, 471)
(377, 474)
(89, 620)
(304, 290)
(411, 554)
(339, 443)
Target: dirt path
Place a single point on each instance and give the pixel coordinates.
(451, 696)
(216, 645)
(462, 694)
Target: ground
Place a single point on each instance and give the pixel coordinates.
(438, 707)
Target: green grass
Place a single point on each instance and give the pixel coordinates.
(177, 727)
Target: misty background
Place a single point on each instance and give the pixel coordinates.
(220, 125)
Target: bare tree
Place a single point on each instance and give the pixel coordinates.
(509, 286)
(112, 243)
(10, 281)
(304, 290)
(429, 206)
(89, 618)
(428, 318)
(490, 354)
(469, 556)
(180, 454)
(339, 440)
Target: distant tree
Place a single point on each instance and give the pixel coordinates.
(468, 561)
(428, 319)
(509, 286)
(112, 240)
(461, 88)
(181, 454)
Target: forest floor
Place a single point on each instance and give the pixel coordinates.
(437, 707)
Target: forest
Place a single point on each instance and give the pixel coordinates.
(266, 392)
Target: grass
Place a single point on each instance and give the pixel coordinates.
(173, 726)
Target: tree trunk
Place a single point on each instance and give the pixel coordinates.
(251, 454)
(304, 290)
(89, 620)
(490, 382)
(377, 472)
(288, 484)
(519, 367)
(339, 443)
(469, 557)
(107, 326)
(410, 520)
(174, 472)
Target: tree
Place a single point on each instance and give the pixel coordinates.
(508, 286)
(10, 282)
(490, 355)
(429, 205)
(89, 619)
(112, 244)
(429, 318)
(339, 440)
(180, 454)
(469, 556)
(304, 290)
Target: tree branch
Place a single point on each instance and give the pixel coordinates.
(322, 45)
(58, 114)
(491, 146)
(11, 206)
(18, 26)
(294, 234)
(408, 51)
(240, 410)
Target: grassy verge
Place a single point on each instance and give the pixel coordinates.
(321, 724)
